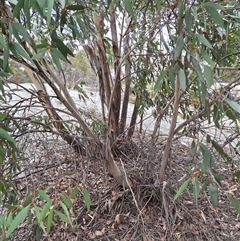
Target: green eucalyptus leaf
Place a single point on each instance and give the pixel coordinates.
(218, 177)
(196, 188)
(205, 185)
(159, 82)
(62, 2)
(207, 58)
(26, 8)
(18, 7)
(182, 188)
(208, 73)
(182, 79)
(179, 47)
(86, 198)
(66, 212)
(18, 28)
(39, 55)
(188, 21)
(17, 221)
(212, 10)
(50, 4)
(233, 104)
(213, 192)
(74, 192)
(62, 216)
(22, 51)
(63, 48)
(207, 156)
(49, 220)
(197, 68)
(128, 5)
(208, 111)
(216, 115)
(2, 42)
(235, 203)
(5, 58)
(4, 135)
(204, 41)
(44, 211)
(67, 200)
(44, 195)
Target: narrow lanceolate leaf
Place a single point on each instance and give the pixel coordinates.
(43, 195)
(197, 67)
(159, 5)
(208, 73)
(207, 111)
(42, 3)
(196, 188)
(87, 199)
(188, 21)
(18, 27)
(128, 5)
(67, 200)
(73, 193)
(18, 8)
(38, 55)
(180, 10)
(204, 41)
(229, 113)
(213, 5)
(182, 188)
(49, 220)
(62, 2)
(5, 58)
(235, 203)
(21, 51)
(234, 105)
(45, 209)
(218, 148)
(4, 135)
(62, 216)
(206, 157)
(182, 79)
(179, 47)
(17, 221)
(213, 192)
(50, 4)
(1, 88)
(66, 212)
(212, 9)
(26, 8)
(2, 42)
(216, 115)
(159, 82)
(207, 58)
(63, 48)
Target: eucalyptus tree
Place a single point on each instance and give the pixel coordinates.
(177, 47)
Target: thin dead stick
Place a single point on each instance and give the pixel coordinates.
(135, 201)
(164, 203)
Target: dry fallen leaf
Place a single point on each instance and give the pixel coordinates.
(117, 219)
(115, 196)
(127, 237)
(100, 233)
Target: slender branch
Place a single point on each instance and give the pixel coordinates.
(227, 68)
(229, 55)
(171, 130)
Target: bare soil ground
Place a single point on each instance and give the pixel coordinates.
(143, 213)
